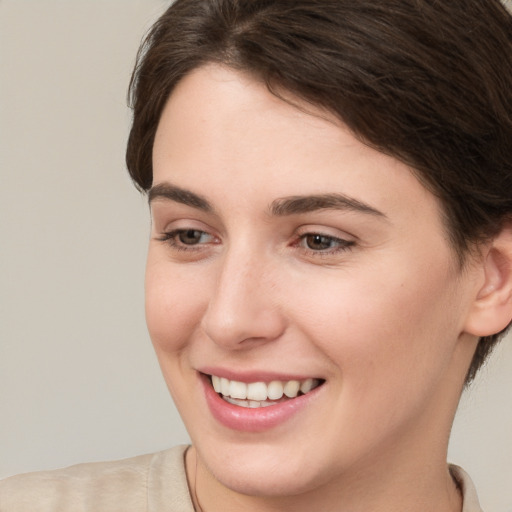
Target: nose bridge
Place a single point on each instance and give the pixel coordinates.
(243, 304)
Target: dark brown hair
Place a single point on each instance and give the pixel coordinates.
(426, 81)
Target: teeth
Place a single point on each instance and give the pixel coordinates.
(291, 388)
(224, 386)
(257, 394)
(307, 385)
(257, 391)
(250, 404)
(275, 390)
(238, 389)
(216, 383)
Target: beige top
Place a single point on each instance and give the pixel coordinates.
(148, 483)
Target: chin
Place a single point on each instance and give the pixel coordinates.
(256, 481)
(262, 470)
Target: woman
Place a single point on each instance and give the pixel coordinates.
(330, 260)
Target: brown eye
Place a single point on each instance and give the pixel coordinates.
(188, 239)
(317, 242)
(190, 236)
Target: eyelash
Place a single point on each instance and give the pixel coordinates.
(343, 245)
(171, 239)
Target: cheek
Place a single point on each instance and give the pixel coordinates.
(380, 324)
(175, 301)
(389, 341)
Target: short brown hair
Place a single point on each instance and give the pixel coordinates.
(426, 81)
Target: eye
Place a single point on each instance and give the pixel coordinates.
(191, 236)
(318, 244)
(184, 239)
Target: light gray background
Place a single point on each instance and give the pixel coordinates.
(78, 378)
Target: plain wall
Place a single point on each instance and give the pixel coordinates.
(78, 378)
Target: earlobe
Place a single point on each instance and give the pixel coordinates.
(491, 311)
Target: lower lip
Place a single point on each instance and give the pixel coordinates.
(257, 419)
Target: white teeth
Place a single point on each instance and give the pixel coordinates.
(257, 391)
(307, 386)
(291, 388)
(224, 386)
(249, 404)
(275, 390)
(238, 389)
(260, 394)
(216, 383)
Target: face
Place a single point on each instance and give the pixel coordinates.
(287, 258)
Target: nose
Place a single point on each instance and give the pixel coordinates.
(244, 308)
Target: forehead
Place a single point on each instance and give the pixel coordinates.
(214, 100)
(223, 134)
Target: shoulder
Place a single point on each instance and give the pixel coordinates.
(122, 485)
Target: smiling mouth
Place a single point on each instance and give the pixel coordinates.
(262, 394)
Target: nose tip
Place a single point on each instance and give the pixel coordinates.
(243, 308)
(231, 332)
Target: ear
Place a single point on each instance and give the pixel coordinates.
(491, 310)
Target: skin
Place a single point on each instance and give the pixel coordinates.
(382, 316)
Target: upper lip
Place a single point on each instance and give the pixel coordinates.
(255, 375)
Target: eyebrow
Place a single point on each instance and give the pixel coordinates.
(293, 205)
(179, 195)
(306, 204)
